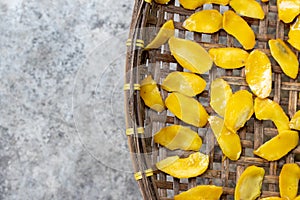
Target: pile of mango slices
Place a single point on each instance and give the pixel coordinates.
(233, 109)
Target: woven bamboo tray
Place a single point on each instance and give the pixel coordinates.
(142, 122)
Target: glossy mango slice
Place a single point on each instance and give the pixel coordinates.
(228, 58)
(249, 8)
(191, 4)
(148, 1)
(266, 109)
(187, 109)
(162, 1)
(285, 57)
(239, 110)
(150, 94)
(219, 2)
(236, 26)
(258, 72)
(220, 92)
(205, 21)
(166, 31)
(288, 180)
(190, 55)
(288, 10)
(201, 192)
(229, 142)
(185, 83)
(295, 121)
(278, 146)
(178, 137)
(192, 166)
(249, 184)
(294, 34)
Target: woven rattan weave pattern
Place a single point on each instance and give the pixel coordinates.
(222, 172)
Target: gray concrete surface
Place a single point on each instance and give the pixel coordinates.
(61, 100)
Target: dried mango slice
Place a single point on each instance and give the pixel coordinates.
(201, 192)
(278, 146)
(191, 4)
(220, 92)
(178, 137)
(258, 72)
(166, 31)
(239, 110)
(249, 184)
(187, 109)
(219, 2)
(285, 57)
(266, 109)
(190, 55)
(229, 58)
(150, 94)
(185, 83)
(192, 166)
(294, 34)
(288, 180)
(229, 142)
(249, 8)
(295, 121)
(235, 25)
(162, 1)
(288, 10)
(205, 21)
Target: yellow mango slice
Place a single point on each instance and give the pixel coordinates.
(192, 166)
(166, 31)
(239, 110)
(285, 57)
(191, 4)
(288, 180)
(190, 55)
(205, 21)
(288, 10)
(258, 72)
(178, 137)
(236, 26)
(185, 83)
(249, 8)
(228, 58)
(266, 109)
(148, 1)
(229, 142)
(220, 2)
(295, 121)
(297, 198)
(249, 184)
(272, 198)
(162, 1)
(220, 92)
(201, 192)
(150, 94)
(187, 109)
(294, 34)
(278, 146)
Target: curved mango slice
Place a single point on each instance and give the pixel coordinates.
(258, 72)
(294, 34)
(220, 2)
(236, 26)
(151, 95)
(203, 192)
(187, 109)
(229, 142)
(249, 184)
(220, 92)
(229, 58)
(190, 55)
(266, 109)
(297, 198)
(185, 83)
(248, 8)
(278, 146)
(191, 4)
(205, 21)
(288, 10)
(295, 121)
(239, 110)
(148, 1)
(166, 31)
(178, 137)
(285, 57)
(162, 1)
(288, 180)
(192, 166)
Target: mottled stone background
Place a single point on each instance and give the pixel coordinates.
(61, 100)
